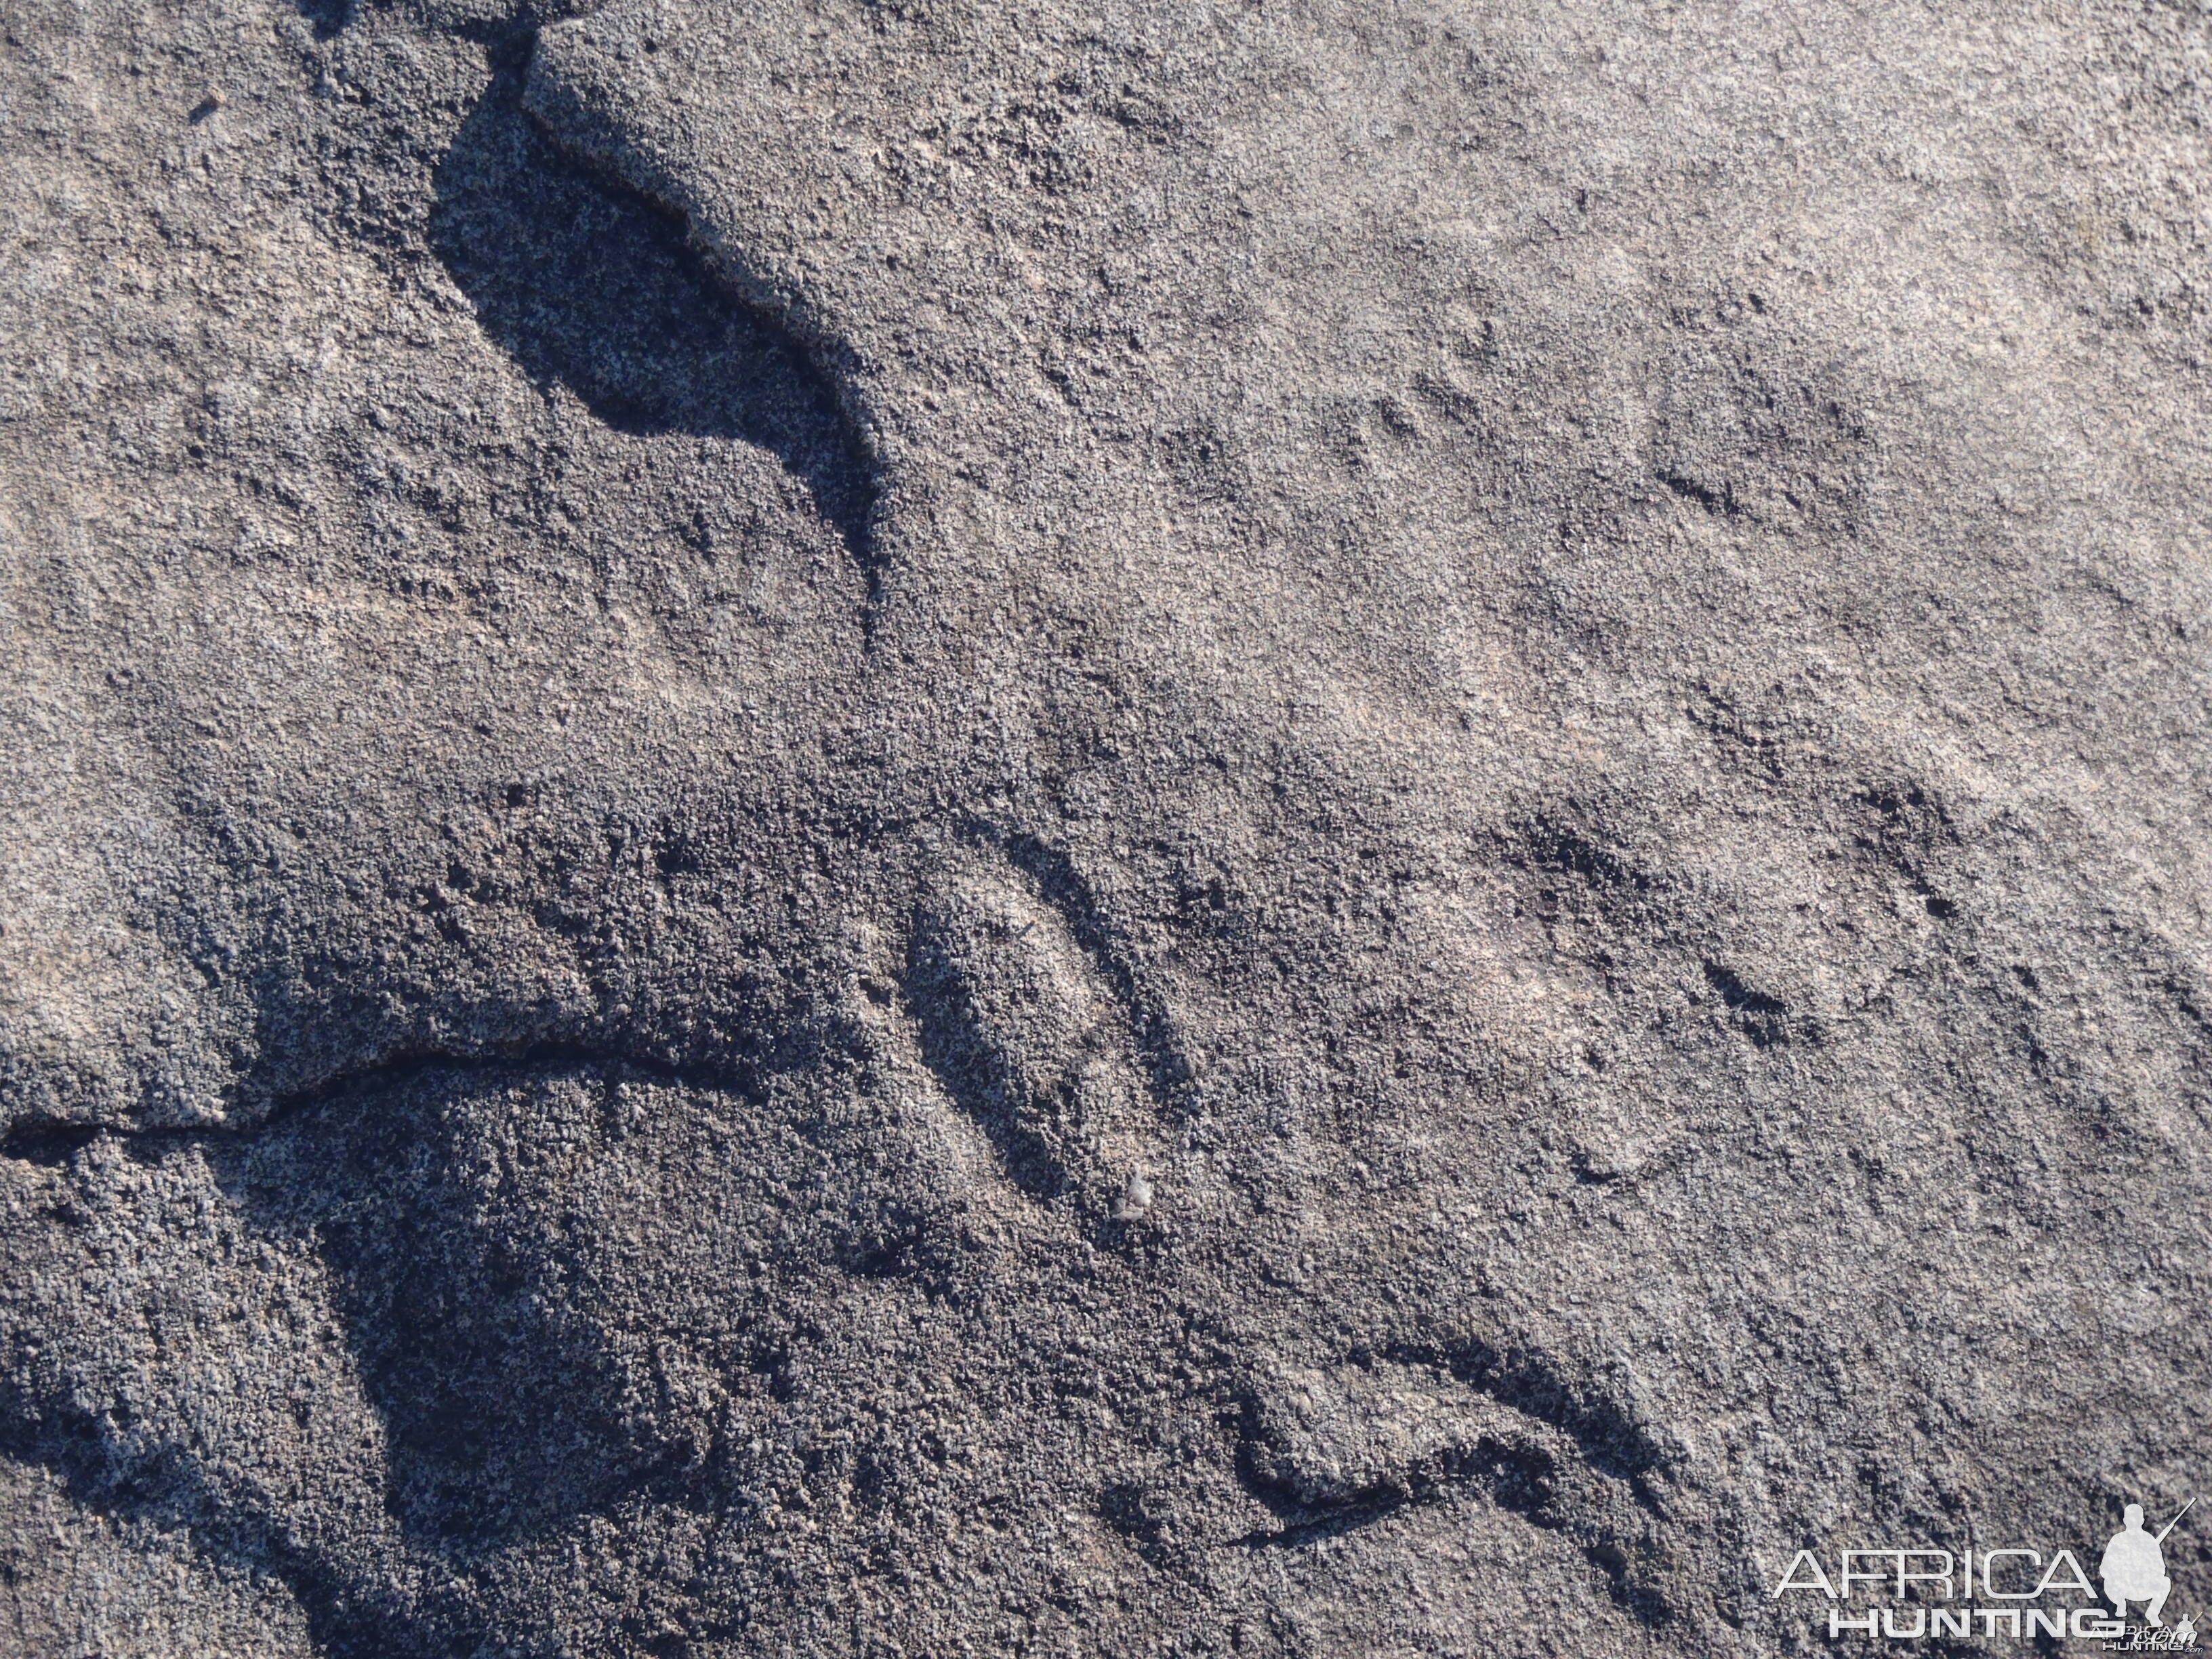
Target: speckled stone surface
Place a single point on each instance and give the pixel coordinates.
(894, 829)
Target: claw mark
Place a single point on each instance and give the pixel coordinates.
(1027, 1042)
(1332, 1450)
(1164, 1070)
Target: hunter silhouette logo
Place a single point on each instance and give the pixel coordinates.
(1928, 1594)
(2134, 1567)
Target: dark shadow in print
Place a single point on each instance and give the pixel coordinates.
(588, 284)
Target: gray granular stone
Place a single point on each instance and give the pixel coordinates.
(890, 830)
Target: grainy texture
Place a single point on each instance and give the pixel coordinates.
(921, 829)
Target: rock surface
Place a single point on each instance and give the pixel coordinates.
(919, 829)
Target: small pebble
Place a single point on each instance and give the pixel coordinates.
(1136, 1200)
